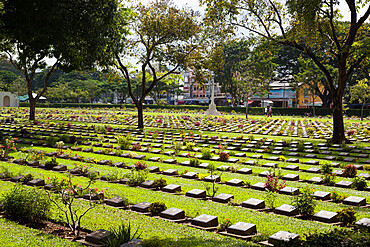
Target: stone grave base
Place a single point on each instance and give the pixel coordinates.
(209, 229)
(239, 236)
(185, 220)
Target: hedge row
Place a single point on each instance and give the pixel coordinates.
(251, 110)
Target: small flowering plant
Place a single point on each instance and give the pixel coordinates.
(224, 156)
(224, 224)
(140, 165)
(136, 146)
(7, 148)
(65, 197)
(272, 183)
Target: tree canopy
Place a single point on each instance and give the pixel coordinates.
(306, 26)
(33, 31)
(162, 36)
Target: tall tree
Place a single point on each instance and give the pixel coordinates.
(162, 35)
(256, 72)
(233, 53)
(75, 33)
(306, 25)
(314, 79)
(361, 93)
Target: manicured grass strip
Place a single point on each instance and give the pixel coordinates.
(13, 234)
(168, 233)
(266, 223)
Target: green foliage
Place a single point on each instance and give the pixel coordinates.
(65, 200)
(157, 207)
(194, 162)
(326, 167)
(359, 183)
(270, 198)
(121, 235)
(329, 179)
(137, 177)
(51, 163)
(335, 196)
(26, 178)
(206, 153)
(234, 202)
(159, 183)
(177, 147)
(5, 172)
(124, 141)
(347, 216)
(305, 202)
(26, 205)
(29, 44)
(224, 224)
(361, 93)
(338, 237)
(51, 140)
(190, 146)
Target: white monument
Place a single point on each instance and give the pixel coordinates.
(8, 99)
(212, 107)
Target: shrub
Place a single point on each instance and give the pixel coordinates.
(300, 147)
(136, 146)
(272, 183)
(326, 167)
(176, 147)
(5, 172)
(329, 179)
(194, 162)
(349, 171)
(159, 183)
(140, 165)
(190, 146)
(336, 237)
(51, 140)
(51, 163)
(113, 176)
(27, 178)
(206, 153)
(305, 203)
(367, 167)
(335, 196)
(234, 168)
(359, 183)
(120, 236)
(270, 199)
(93, 175)
(157, 207)
(137, 177)
(347, 216)
(124, 142)
(224, 156)
(27, 205)
(65, 202)
(224, 224)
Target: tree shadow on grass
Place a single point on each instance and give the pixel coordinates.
(196, 242)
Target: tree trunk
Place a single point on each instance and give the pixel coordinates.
(326, 98)
(362, 111)
(338, 125)
(313, 105)
(32, 109)
(140, 118)
(246, 107)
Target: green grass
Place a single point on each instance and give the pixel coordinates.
(14, 235)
